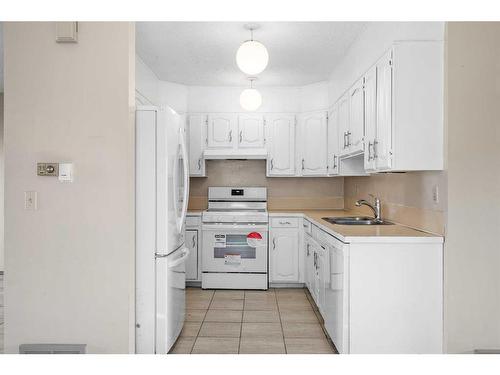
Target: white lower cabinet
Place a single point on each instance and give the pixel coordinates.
(284, 251)
(192, 262)
(192, 238)
(377, 296)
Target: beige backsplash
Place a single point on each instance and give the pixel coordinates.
(406, 197)
(283, 192)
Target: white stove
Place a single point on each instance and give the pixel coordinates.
(235, 236)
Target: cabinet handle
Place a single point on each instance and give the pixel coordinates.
(230, 135)
(284, 222)
(334, 161)
(305, 225)
(272, 163)
(274, 243)
(199, 163)
(375, 153)
(303, 164)
(241, 135)
(345, 140)
(369, 151)
(194, 242)
(307, 249)
(349, 143)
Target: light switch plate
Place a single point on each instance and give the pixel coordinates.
(30, 200)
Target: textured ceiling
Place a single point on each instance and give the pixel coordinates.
(203, 53)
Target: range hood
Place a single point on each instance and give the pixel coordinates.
(235, 154)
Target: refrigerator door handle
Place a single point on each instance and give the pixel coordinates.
(185, 255)
(186, 182)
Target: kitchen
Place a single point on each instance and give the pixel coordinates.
(318, 206)
(266, 271)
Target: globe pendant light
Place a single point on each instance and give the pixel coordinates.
(252, 56)
(250, 99)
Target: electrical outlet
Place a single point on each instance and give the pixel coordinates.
(30, 200)
(435, 194)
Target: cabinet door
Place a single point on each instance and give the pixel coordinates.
(370, 118)
(344, 123)
(333, 141)
(281, 145)
(356, 118)
(383, 143)
(284, 255)
(324, 278)
(314, 144)
(308, 263)
(197, 125)
(250, 131)
(221, 129)
(192, 261)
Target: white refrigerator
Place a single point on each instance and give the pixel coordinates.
(162, 190)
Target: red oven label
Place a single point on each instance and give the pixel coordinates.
(254, 239)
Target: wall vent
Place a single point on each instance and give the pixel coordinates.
(52, 348)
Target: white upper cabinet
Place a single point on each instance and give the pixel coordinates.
(404, 109)
(197, 136)
(344, 113)
(370, 119)
(281, 144)
(356, 129)
(333, 141)
(313, 144)
(382, 144)
(251, 131)
(221, 130)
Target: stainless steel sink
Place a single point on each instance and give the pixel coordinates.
(355, 220)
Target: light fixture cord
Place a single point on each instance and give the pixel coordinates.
(251, 35)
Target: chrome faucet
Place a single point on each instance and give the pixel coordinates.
(376, 207)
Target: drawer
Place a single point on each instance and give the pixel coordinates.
(193, 221)
(307, 226)
(285, 222)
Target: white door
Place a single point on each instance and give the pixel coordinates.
(333, 141)
(370, 118)
(344, 114)
(383, 144)
(250, 131)
(192, 261)
(197, 126)
(281, 145)
(314, 144)
(284, 255)
(221, 129)
(356, 118)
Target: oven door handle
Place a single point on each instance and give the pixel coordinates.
(235, 227)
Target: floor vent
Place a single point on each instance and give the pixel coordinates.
(52, 348)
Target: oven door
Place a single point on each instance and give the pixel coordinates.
(234, 248)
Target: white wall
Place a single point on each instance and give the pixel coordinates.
(2, 181)
(174, 95)
(472, 249)
(371, 44)
(69, 266)
(146, 83)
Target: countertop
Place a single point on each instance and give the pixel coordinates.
(355, 233)
(360, 233)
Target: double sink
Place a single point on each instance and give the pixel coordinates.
(355, 220)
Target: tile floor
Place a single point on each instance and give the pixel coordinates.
(277, 321)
